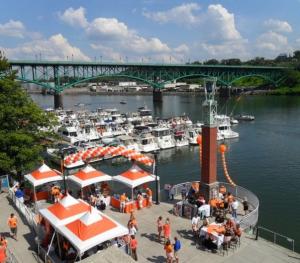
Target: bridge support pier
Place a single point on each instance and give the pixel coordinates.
(157, 95)
(224, 92)
(58, 100)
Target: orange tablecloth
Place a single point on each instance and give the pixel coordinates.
(215, 202)
(215, 228)
(129, 206)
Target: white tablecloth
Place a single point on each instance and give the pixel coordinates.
(219, 239)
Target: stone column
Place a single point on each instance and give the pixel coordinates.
(58, 100)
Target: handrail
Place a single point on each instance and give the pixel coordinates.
(275, 234)
(247, 221)
(10, 257)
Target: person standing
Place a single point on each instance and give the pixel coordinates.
(149, 196)
(234, 207)
(160, 225)
(195, 224)
(177, 247)
(133, 247)
(13, 225)
(122, 202)
(167, 229)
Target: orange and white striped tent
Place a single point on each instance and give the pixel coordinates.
(43, 175)
(88, 176)
(91, 229)
(65, 211)
(135, 176)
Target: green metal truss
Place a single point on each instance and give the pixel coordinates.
(61, 75)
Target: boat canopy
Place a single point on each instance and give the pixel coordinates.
(43, 175)
(89, 175)
(134, 177)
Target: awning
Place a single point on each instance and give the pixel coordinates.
(88, 176)
(65, 211)
(43, 175)
(135, 176)
(91, 229)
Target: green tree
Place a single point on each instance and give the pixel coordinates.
(292, 78)
(24, 125)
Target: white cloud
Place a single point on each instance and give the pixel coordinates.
(221, 23)
(182, 49)
(278, 26)
(12, 28)
(272, 41)
(56, 47)
(107, 27)
(74, 17)
(183, 14)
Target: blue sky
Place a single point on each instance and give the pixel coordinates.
(148, 30)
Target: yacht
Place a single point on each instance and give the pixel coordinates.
(128, 142)
(147, 143)
(243, 117)
(224, 127)
(70, 134)
(193, 134)
(181, 139)
(163, 137)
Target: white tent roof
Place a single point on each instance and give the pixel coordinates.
(43, 175)
(91, 229)
(65, 211)
(88, 176)
(134, 177)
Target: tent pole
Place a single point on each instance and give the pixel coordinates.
(59, 245)
(157, 185)
(50, 243)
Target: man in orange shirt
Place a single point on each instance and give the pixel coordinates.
(13, 225)
(133, 247)
(149, 196)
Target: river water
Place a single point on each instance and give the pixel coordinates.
(264, 159)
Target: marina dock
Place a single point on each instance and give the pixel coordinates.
(149, 249)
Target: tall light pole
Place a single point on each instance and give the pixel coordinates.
(157, 185)
(63, 170)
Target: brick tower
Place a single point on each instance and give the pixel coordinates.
(209, 184)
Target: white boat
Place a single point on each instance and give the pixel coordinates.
(193, 134)
(128, 142)
(233, 121)
(181, 139)
(224, 127)
(245, 117)
(70, 134)
(163, 137)
(147, 143)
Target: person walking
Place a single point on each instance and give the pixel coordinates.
(177, 247)
(13, 225)
(169, 251)
(133, 247)
(160, 225)
(149, 196)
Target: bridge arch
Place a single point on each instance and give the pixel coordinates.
(199, 75)
(69, 85)
(44, 85)
(254, 75)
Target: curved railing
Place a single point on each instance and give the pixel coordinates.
(247, 221)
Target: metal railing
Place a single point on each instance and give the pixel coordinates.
(247, 221)
(24, 210)
(275, 237)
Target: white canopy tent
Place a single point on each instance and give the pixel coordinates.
(88, 176)
(43, 175)
(65, 211)
(91, 229)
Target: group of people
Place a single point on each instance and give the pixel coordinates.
(98, 201)
(139, 197)
(164, 231)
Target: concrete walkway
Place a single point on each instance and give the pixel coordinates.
(23, 249)
(150, 250)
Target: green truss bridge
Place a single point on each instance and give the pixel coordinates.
(62, 75)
